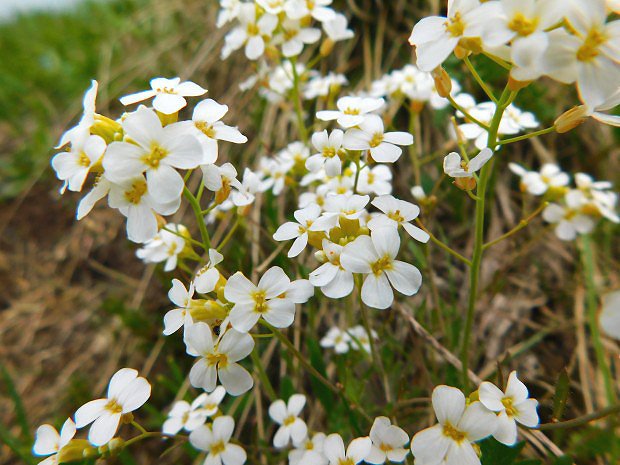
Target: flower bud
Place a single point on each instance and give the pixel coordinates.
(326, 47)
(443, 83)
(467, 45)
(571, 119)
(77, 449)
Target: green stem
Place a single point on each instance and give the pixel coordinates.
(445, 247)
(522, 224)
(228, 235)
(414, 149)
(138, 426)
(613, 409)
(313, 371)
(479, 80)
(150, 434)
(188, 239)
(466, 113)
(303, 133)
(587, 258)
(199, 217)
(474, 273)
(527, 136)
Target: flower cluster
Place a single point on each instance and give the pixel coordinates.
(573, 211)
(571, 42)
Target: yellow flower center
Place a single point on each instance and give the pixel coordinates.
(83, 160)
(451, 432)
(511, 411)
(165, 90)
(260, 305)
(156, 155)
(329, 152)
(381, 265)
(590, 48)
(205, 128)
(253, 29)
(396, 216)
(377, 138)
(289, 420)
(385, 447)
(135, 192)
(218, 448)
(522, 25)
(351, 111)
(221, 360)
(455, 25)
(346, 461)
(113, 407)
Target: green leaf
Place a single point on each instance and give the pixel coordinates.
(561, 395)
(496, 453)
(564, 460)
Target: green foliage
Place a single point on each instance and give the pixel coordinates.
(496, 453)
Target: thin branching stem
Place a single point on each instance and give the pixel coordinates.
(193, 201)
(442, 245)
(479, 80)
(583, 420)
(522, 224)
(527, 136)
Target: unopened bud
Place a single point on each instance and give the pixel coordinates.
(443, 83)
(468, 44)
(571, 119)
(77, 449)
(326, 47)
(161, 221)
(320, 256)
(272, 53)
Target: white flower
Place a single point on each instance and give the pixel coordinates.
(356, 452)
(335, 282)
(215, 440)
(337, 28)
(375, 256)
(418, 193)
(219, 359)
(450, 441)
(229, 10)
(208, 276)
(298, 231)
(155, 150)
(295, 36)
(179, 316)
(169, 94)
(376, 180)
(388, 442)
(184, 415)
(100, 189)
(322, 86)
(590, 57)
(456, 167)
(349, 206)
(133, 199)
(371, 135)
(397, 212)
(435, 37)
(164, 247)
(609, 318)
(220, 178)
(298, 9)
(251, 32)
(338, 339)
(360, 338)
(251, 184)
(72, 166)
(292, 428)
(309, 451)
(49, 442)
(255, 301)
(329, 147)
(512, 407)
(273, 7)
(208, 129)
(87, 119)
(569, 219)
(126, 392)
(352, 111)
(537, 183)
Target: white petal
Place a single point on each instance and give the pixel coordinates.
(376, 291)
(89, 412)
(235, 379)
(104, 428)
(449, 404)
